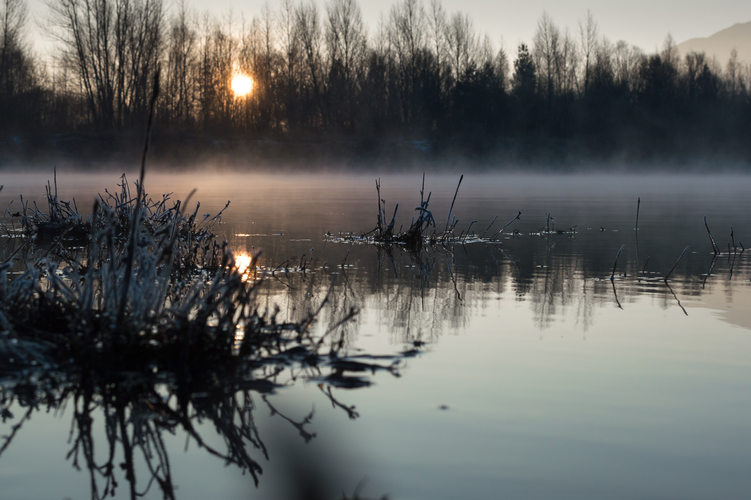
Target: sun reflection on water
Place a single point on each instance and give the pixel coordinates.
(243, 261)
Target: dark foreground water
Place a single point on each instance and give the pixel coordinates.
(539, 377)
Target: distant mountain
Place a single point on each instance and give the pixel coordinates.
(721, 43)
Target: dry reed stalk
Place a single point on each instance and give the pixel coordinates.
(676, 263)
(711, 239)
(612, 275)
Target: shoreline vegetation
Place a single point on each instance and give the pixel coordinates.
(419, 235)
(138, 315)
(422, 86)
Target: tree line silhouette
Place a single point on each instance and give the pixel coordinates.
(320, 73)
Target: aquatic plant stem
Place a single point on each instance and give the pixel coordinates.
(644, 269)
(612, 275)
(137, 209)
(711, 239)
(518, 217)
(448, 219)
(636, 227)
(638, 204)
(676, 263)
(380, 219)
(483, 233)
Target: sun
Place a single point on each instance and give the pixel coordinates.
(241, 85)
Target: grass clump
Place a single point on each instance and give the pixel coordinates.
(419, 234)
(152, 323)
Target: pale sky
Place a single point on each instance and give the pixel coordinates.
(644, 23)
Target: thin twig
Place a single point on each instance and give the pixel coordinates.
(676, 263)
(714, 245)
(448, 219)
(491, 225)
(638, 204)
(518, 217)
(612, 275)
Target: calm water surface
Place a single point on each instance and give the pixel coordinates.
(539, 377)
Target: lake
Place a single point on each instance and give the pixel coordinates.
(530, 374)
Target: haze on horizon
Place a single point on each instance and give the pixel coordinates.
(642, 23)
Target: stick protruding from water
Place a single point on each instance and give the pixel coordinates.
(676, 263)
(448, 219)
(714, 245)
(612, 275)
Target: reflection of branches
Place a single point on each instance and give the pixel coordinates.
(15, 428)
(449, 260)
(186, 388)
(615, 294)
(675, 297)
(300, 426)
(335, 403)
(709, 272)
(136, 415)
(584, 309)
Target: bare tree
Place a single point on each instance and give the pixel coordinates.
(546, 53)
(114, 47)
(670, 53)
(16, 64)
(567, 65)
(309, 29)
(290, 52)
(181, 62)
(626, 61)
(462, 43)
(21, 77)
(588, 34)
(225, 53)
(733, 73)
(407, 28)
(438, 29)
(408, 39)
(484, 54)
(346, 34)
(346, 43)
(13, 18)
(252, 57)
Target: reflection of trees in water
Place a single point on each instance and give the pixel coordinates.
(219, 372)
(423, 295)
(417, 297)
(139, 408)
